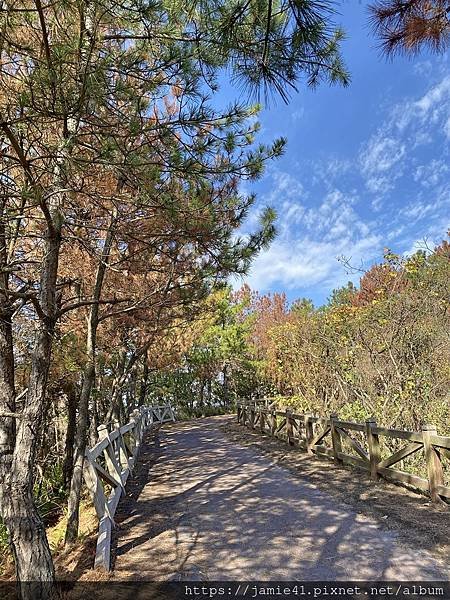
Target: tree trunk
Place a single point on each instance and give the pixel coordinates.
(94, 422)
(73, 513)
(27, 533)
(225, 385)
(7, 389)
(70, 435)
(73, 516)
(144, 382)
(34, 564)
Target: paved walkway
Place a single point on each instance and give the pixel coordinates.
(204, 508)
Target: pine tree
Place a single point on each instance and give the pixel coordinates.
(408, 25)
(90, 90)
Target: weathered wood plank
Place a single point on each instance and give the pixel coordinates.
(373, 444)
(281, 426)
(350, 425)
(335, 438)
(114, 434)
(434, 465)
(403, 477)
(309, 433)
(103, 550)
(107, 478)
(94, 486)
(126, 428)
(355, 445)
(353, 460)
(299, 417)
(280, 413)
(319, 437)
(289, 428)
(113, 500)
(443, 490)
(401, 454)
(440, 441)
(413, 436)
(98, 448)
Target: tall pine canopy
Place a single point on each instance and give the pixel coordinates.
(113, 157)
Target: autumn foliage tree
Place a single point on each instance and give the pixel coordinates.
(381, 349)
(112, 153)
(408, 25)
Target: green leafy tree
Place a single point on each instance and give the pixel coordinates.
(90, 90)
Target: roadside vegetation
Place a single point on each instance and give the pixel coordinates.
(379, 349)
(120, 208)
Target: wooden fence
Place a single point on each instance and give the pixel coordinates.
(108, 465)
(359, 444)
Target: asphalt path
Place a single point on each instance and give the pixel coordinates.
(202, 507)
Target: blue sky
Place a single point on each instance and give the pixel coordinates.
(366, 167)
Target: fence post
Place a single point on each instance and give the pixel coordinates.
(373, 444)
(273, 423)
(289, 427)
(238, 413)
(262, 420)
(434, 466)
(138, 420)
(103, 433)
(309, 433)
(335, 438)
(134, 434)
(252, 416)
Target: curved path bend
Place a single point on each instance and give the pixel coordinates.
(202, 507)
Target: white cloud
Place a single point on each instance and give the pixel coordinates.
(436, 208)
(310, 241)
(298, 114)
(430, 174)
(432, 108)
(380, 155)
(325, 215)
(285, 185)
(447, 128)
(306, 262)
(409, 124)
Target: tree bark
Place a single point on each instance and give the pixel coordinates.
(144, 382)
(73, 516)
(7, 383)
(70, 435)
(27, 533)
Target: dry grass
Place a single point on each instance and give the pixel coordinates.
(72, 562)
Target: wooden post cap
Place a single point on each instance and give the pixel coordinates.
(428, 427)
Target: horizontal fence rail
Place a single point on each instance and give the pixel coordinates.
(358, 444)
(108, 465)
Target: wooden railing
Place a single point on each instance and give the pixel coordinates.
(108, 465)
(360, 445)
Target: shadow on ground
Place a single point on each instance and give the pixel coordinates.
(204, 506)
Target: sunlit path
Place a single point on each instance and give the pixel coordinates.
(203, 507)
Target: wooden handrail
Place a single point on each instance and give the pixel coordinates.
(119, 447)
(310, 433)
